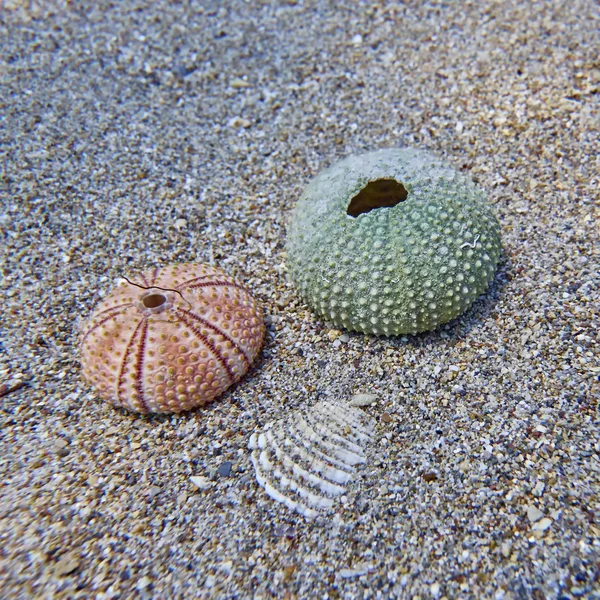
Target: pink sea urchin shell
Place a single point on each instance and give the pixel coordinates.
(172, 339)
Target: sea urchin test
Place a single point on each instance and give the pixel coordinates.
(170, 339)
(391, 242)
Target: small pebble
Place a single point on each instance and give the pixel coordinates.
(202, 483)
(538, 490)
(225, 469)
(67, 564)
(154, 491)
(333, 334)
(534, 514)
(363, 399)
(239, 122)
(180, 224)
(542, 524)
(360, 569)
(239, 84)
(143, 583)
(61, 447)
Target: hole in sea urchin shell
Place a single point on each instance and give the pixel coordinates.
(154, 300)
(379, 193)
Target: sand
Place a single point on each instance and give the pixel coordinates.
(140, 134)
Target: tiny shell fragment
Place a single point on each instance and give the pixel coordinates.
(363, 399)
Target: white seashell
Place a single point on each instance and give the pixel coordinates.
(306, 460)
(363, 399)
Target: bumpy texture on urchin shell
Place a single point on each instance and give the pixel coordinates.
(401, 269)
(307, 460)
(177, 342)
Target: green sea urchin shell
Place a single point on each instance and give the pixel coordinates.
(393, 241)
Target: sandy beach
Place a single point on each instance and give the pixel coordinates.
(138, 134)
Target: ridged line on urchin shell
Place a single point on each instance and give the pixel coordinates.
(139, 363)
(153, 277)
(219, 332)
(192, 283)
(216, 284)
(215, 329)
(306, 461)
(208, 343)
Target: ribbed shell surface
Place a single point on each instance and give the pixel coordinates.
(307, 459)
